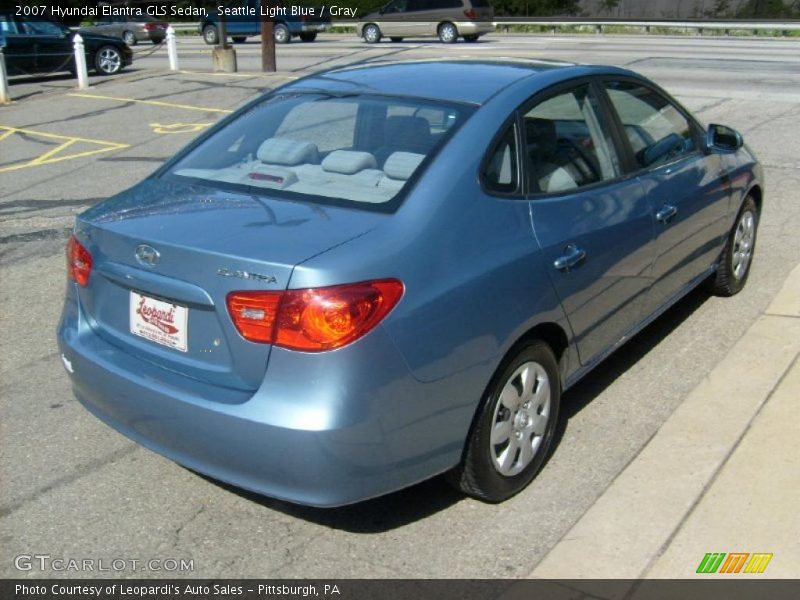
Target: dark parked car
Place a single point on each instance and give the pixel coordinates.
(131, 30)
(377, 274)
(35, 45)
(243, 20)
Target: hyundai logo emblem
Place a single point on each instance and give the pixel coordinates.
(147, 255)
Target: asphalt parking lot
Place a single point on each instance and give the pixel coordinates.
(72, 487)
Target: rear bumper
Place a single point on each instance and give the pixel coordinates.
(475, 27)
(321, 438)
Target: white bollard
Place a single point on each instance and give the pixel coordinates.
(80, 62)
(5, 96)
(172, 49)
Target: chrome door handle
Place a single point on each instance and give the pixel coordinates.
(666, 213)
(571, 257)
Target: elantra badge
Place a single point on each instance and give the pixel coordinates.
(147, 255)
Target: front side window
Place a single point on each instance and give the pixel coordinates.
(7, 26)
(567, 143)
(361, 149)
(657, 131)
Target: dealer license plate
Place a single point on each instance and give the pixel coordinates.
(161, 322)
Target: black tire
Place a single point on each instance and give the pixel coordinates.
(210, 35)
(448, 33)
(372, 34)
(471, 38)
(108, 60)
(239, 39)
(157, 41)
(396, 40)
(479, 473)
(282, 34)
(730, 277)
(129, 38)
(308, 36)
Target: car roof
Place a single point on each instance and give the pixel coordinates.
(468, 81)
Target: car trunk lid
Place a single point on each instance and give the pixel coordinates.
(165, 257)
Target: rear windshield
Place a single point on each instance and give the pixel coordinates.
(358, 149)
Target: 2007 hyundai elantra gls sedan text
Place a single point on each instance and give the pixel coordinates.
(377, 274)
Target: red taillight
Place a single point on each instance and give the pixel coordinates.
(254, 314)
(314, 320)
(79, 262)
(471, 14)
(150, 26)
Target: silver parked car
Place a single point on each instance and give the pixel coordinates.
(132, 30)
(447, 19)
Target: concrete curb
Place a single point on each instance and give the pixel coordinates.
(635, 521)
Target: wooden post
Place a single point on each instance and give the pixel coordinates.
(268, 63)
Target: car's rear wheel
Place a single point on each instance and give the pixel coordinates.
(514, 429)
(108, 60)
(448, 33)
(282, 34)
(309, 36)
(737, 257)
(372, 34)
(239, 39)
(471, 38)
(129, 38)
(210, 35)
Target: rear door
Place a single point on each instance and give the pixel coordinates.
(594, 225)
(686, 187)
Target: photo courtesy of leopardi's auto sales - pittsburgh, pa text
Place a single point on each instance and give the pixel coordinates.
(170, 9)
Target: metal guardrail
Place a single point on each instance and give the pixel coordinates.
(700, 26)
(599, 24)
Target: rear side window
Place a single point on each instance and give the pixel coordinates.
(657, 131)
(501, 172)
(567, 143)
(361, 149)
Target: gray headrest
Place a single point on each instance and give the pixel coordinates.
(283, 151)
(348, 162)
(401, 165)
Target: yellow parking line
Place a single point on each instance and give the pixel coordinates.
(152, 102)
(10, 130)
(43, 157)
(50, 157)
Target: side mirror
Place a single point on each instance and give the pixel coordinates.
(723, 139)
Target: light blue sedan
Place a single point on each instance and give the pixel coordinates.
(377, 274)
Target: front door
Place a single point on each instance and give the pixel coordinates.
(686, 188)
(593, 224)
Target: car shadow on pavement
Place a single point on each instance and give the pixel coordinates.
(591, 386)
(429, 497)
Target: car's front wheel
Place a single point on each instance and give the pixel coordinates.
(734, 265)
(471, 38)
(108, 60)
(309, 36)
(239, 39)
(372, 34)
(129, 38)
(514, 429)
(448, 33)
(210, 35)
